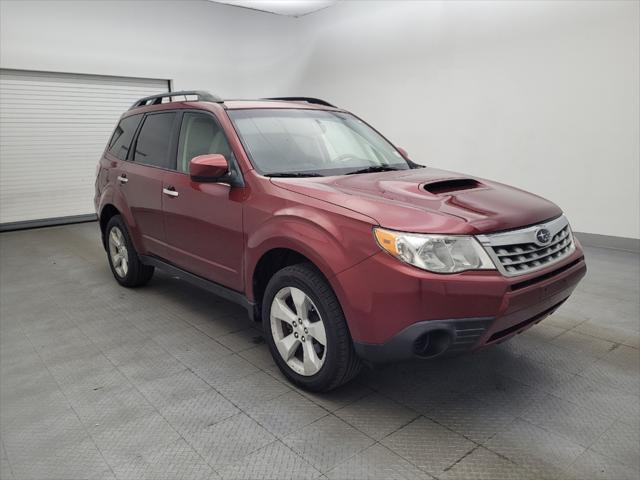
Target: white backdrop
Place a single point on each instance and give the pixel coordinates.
(541, 95)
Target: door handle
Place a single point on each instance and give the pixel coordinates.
(170, 191)
(123, 179)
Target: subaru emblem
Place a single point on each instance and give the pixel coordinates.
(543, 236)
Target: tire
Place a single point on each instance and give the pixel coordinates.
(310, 365)
(123, 259)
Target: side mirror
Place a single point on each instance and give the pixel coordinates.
(208, 168)
(403, 152)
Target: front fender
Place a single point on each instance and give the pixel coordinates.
(331, 241)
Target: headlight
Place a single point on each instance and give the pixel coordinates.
(435, 253)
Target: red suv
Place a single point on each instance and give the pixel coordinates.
(342, 246)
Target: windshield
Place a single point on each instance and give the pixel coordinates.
(313, 142)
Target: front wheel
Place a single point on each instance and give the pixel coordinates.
(306, 329)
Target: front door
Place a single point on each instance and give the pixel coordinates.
(203, 221)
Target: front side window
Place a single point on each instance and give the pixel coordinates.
(313, 142)
(152, 146)
(200, 134)
(121, 139)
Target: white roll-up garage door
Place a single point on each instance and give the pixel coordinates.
(53, 129)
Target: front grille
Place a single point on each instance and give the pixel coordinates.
(545, 276)
(521, 258)
(520, 251)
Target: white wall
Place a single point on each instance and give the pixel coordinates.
(541, 95)
(198, 44)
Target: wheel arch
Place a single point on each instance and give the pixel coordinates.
(330, 242)
(107, 213)
(270, 262)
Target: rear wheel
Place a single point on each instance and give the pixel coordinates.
(125, 264)
(306, 329)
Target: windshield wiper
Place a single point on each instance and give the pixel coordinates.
(377, 168)
(293, 175)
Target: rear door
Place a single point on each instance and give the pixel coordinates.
(203, 221)
(143, 178)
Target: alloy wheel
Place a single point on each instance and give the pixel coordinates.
(118, 252)
(298, 331)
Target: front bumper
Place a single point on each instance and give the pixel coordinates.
(397, 312)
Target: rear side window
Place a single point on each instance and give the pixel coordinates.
(200, 134)
(152, 146)
(122, 136)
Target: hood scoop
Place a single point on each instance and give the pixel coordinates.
(453, 185)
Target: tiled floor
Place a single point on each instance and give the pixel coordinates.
(166, 381)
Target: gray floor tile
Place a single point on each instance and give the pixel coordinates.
(428, 445)
(174, 461)
(34, 409)
(376, 415)
(104, 475)
(93, 375)
(579, 342)
(229, 441)
(624, 357)
(594, 466)
(579, 424)
(600, 397)
(217, 327)
(327, 442)
(107, 406)
(194, 414)
(255, 388)
(178, 342)
(141, 370)
(609, 332)
(88, 377)
(131, 350)
(242, 340)
(420, 396)
(149, 321)
(614, 376)
(285, 414)
(530, 446)
(507, 395)
(538, 376)
(47, 437)
(376, 463)
(172, 388)
(481, 464)
(275, 461)
(260, 356)
(474, 419)
(621, 442)
(31, 386)
(222, 370)
(122, 442)
(78, 461)
(551, 355)
(5, 467)
(338, 398)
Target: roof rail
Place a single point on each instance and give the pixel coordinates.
(316, 101)
(157, 99)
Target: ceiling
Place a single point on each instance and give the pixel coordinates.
(294, 8)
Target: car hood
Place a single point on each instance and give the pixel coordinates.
(428, 200)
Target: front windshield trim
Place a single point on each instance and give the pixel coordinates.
(403, 162)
